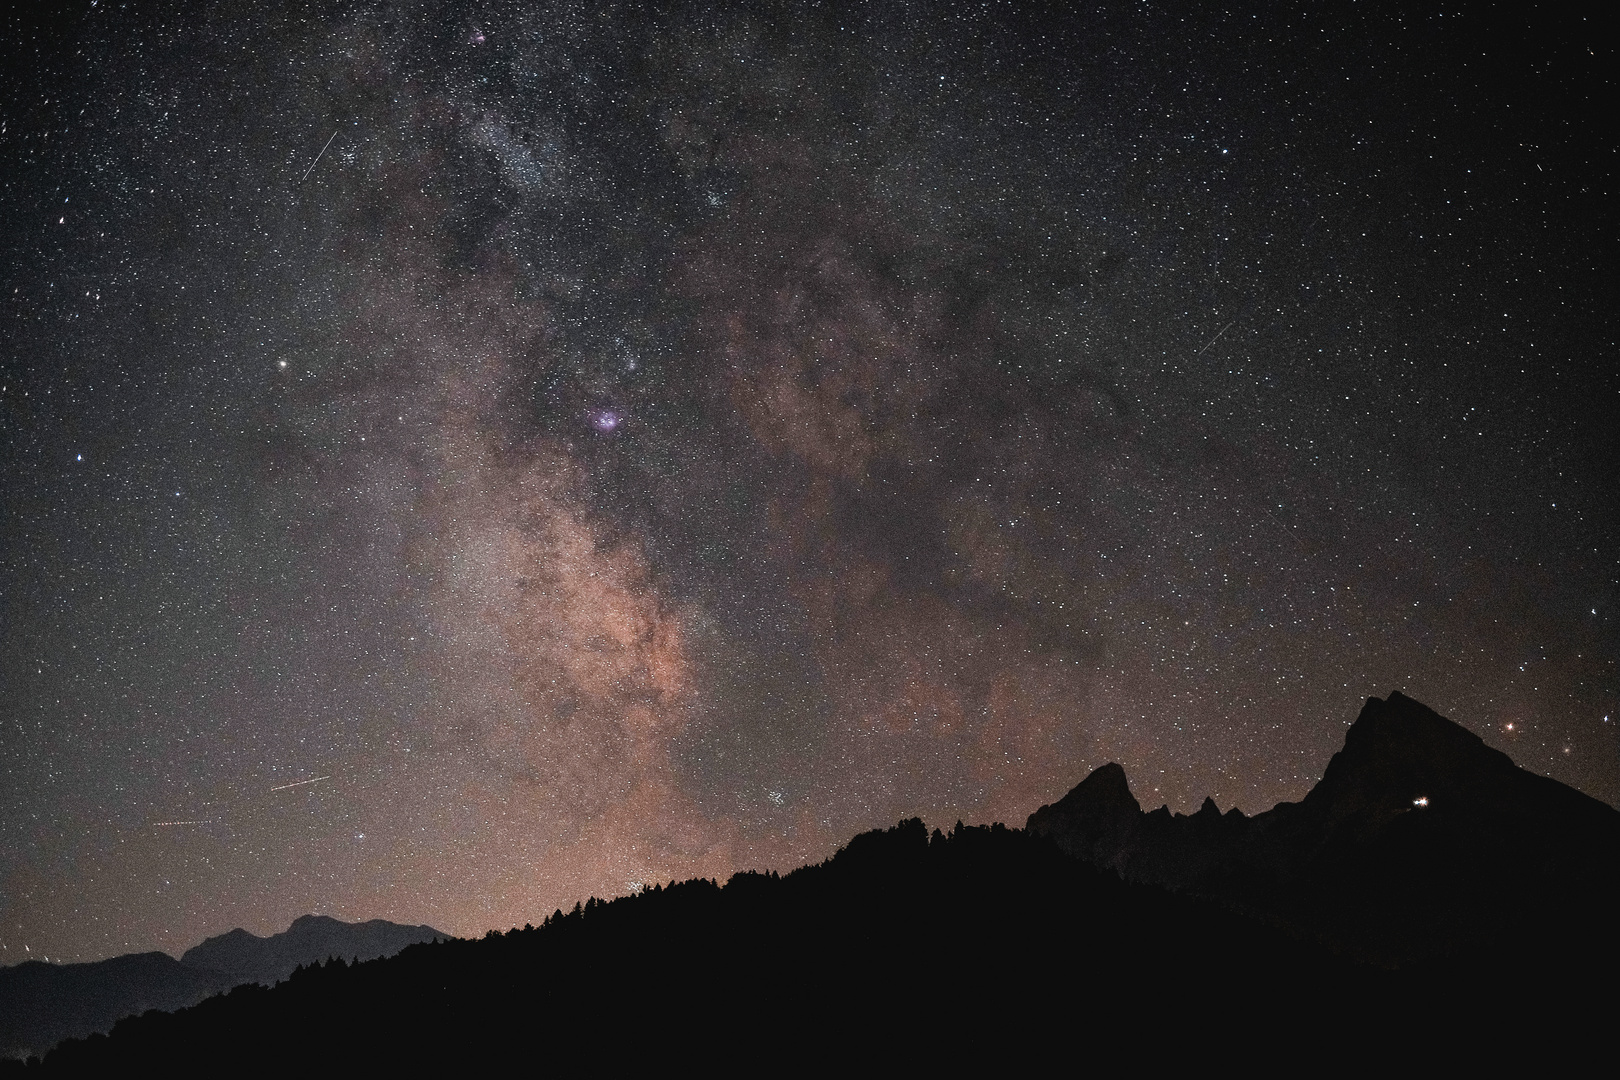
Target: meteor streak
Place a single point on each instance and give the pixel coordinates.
(300, 783)
(317, 160)
(1211, 341)
(160, 824)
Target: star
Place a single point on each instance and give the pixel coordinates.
(934, 445)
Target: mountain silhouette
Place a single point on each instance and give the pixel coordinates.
(904, 946)
(1380, 920)
(245, 957)
(42, 1004)
(1420, 842)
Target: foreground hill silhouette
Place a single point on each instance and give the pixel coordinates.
(990, 932)
(982, 948)
(42, 1004)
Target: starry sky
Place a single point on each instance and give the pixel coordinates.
(460, 458)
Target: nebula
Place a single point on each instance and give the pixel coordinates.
(619, 446)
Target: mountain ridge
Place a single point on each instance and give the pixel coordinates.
(246, 957)
(1417, 842)
(41, 1004)
(1422, 883)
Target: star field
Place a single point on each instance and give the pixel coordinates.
(459, 459)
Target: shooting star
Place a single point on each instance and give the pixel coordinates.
(1216, 338)
(318, 157)
(161, 824)
(300, 783)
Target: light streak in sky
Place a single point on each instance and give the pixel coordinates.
(300, 783)
(317, 160)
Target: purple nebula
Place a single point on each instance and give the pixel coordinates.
(606, 420)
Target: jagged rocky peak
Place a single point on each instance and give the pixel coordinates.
(1401, 754)
(1419, 840)
(1397, 756)
(1094, 818)
(1104, 793)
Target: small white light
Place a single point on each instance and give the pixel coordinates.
(1421, 800)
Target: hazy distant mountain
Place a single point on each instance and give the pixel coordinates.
(246, 957)
(42, 1004)
(1420, 841)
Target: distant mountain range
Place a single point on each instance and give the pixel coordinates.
(1428, 903)
(248, 958)
(42, 1004)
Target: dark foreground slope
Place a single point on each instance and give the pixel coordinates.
(42, 1004)
(1428, 903)
(987, 941)
(985, 949)
(1420, 845)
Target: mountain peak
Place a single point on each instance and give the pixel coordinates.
(1401, 755)
(1096, 815)
(1411, 728)
(1105, 792)
(1419, 839)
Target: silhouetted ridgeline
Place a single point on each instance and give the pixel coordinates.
(981, 947)
(246, 957)
(898, 938)
(1419, 843)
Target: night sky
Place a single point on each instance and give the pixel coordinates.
(462, 458)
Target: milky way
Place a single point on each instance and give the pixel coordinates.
(605, 446)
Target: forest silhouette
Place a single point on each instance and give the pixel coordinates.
(901, 937)
(991, 947)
